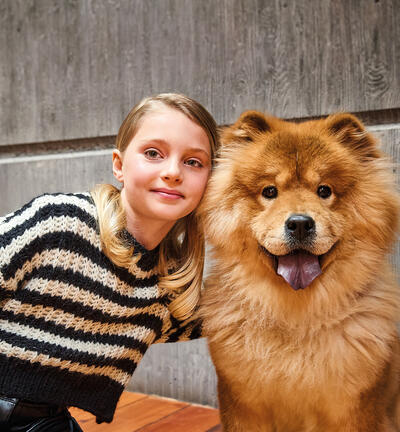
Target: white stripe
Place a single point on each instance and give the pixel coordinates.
(85, 266)
(95, 348)
(148, 292)
(69, 320)
(42, 201)
(51, 225)
(87, 298)
(46, 360)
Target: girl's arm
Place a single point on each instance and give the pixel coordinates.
(30, 235)
(17, 233)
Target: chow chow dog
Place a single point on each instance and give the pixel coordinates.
(300, 308)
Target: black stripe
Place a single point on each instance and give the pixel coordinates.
(86, 196)
(197, 331)
(43, 214)
(176, 330)
(4, 294)
(95, 393)
(150, 321)
(43, 324)
(69, 354)
(26, 206)
(72, 242)
(10, 216)
(68, 276)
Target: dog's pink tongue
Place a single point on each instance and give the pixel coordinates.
(299, 269)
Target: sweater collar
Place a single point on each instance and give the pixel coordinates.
(149, 258)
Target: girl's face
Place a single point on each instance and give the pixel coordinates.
(164, 169)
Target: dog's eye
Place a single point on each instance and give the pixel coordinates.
(324, 191)
(270, 192)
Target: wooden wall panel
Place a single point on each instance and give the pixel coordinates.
(73, 69)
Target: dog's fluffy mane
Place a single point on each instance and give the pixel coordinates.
(341, 327)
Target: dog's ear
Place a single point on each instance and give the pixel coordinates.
(249, 124)
(350, 131)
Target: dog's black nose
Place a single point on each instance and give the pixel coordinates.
(300, 226)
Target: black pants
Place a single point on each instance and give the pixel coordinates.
(23, 416)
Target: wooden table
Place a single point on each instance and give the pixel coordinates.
(139, 412)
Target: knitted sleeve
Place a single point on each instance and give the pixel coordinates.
(17, 230)
(25, 235)
(179, 331)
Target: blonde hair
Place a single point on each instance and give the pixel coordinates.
(184, 244)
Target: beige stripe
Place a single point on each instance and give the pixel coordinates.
(87, 298)
(45, 360)
(76, 262)
(52, 225)
(98, 349)
(68, 320)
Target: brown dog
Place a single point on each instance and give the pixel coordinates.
(301, 305)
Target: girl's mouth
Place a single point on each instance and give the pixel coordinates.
(168, 193)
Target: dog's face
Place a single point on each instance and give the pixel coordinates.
(291, 197)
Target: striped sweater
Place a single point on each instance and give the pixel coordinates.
(74, 326)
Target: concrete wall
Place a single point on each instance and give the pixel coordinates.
(71, 70)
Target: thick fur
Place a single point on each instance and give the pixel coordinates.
(325, 358)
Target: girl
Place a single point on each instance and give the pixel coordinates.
(89, 281)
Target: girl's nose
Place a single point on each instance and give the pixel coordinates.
(172, 172)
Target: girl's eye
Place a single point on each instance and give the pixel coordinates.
(152, 154)
(194, 163)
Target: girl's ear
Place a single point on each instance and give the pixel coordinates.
(117, 165)
(350, 131)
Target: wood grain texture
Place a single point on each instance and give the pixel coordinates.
(73, 69)
(134, 416)
(126, 398)
(137, 412)
(191, 418)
